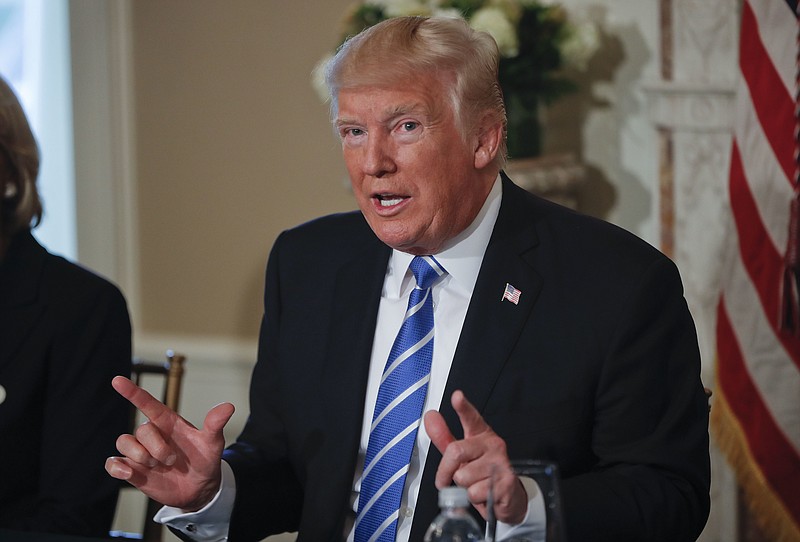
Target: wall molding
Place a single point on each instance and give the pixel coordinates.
(690, 106)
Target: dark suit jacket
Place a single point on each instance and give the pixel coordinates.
(597, 368)
(64, 334)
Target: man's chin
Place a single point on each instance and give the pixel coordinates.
(413, 246)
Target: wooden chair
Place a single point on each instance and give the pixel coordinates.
(171, 371)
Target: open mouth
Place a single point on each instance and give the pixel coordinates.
(389, 200)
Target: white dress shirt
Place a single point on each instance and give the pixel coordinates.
(462, 259)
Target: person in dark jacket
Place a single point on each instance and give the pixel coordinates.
(64, 333)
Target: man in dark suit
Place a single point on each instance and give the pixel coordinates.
(557, 336)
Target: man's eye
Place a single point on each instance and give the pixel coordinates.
(354, 131)
(410, 126)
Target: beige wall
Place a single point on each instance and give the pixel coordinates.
(232, 146)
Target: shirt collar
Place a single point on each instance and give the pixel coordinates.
(461, 257)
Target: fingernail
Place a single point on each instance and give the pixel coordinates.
(116, 469)
(170, 460)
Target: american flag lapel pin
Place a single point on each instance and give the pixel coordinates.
(512, 294)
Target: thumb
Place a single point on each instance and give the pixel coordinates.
(437, 430)
(217, 417)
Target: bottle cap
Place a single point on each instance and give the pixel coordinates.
(453, 496)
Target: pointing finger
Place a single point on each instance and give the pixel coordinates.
(151, 407)
(471, 420)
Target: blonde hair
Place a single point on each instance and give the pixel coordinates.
(19, 198)
(397, 49)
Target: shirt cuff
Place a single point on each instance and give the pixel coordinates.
(210, 523)
(533, 526)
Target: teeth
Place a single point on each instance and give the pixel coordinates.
(390, 202)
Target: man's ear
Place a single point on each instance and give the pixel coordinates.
(488, 143)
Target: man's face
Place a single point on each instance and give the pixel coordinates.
(413, 173)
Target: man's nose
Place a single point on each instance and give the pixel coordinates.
(378, 160)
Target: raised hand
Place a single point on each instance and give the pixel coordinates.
(470, 462)
(168, 458)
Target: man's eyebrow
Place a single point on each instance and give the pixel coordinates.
(341, 121)
(405, 109)
(389, 114)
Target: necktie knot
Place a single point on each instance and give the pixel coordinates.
(426, 270)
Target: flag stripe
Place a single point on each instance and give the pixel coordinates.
(768, 184)
(763, 263)
(774, 454)
(772, 106)
(764, 355)
(779, 23)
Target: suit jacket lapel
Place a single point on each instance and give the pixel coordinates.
(493, 324)
(359, 283)
(356, 298)
(491, 328)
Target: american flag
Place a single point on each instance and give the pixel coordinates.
(756, 412)
(511, 293)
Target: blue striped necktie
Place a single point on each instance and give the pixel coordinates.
(398, 411)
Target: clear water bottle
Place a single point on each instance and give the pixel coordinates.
(454, 523)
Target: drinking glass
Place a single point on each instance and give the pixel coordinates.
(545, 473)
